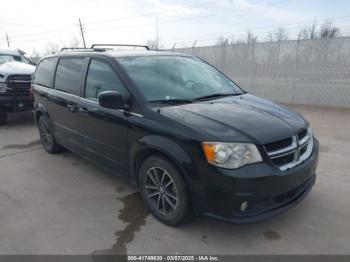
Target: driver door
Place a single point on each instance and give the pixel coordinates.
(104, 130)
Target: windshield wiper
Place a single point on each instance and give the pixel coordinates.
(214, 96)
(172, 101)
(185, 101)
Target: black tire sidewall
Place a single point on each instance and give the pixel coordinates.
(182, 210)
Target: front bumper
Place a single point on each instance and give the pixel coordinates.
(16, 103)
(267, 190)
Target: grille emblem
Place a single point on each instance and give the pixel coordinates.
(291, 151)
(297, 152)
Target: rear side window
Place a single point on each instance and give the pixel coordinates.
(100, 78)
(68, 75)
(45, 72)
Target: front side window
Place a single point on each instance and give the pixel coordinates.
(100, 78)
(68, 75)
(176, 77)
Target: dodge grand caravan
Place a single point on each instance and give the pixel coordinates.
(183, 132)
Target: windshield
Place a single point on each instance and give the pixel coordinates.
(7, 58)
(163, 78)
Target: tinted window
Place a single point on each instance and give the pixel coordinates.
(45, 72)
(101, 77)
(68, 75)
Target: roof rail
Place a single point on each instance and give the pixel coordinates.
(99, 47)
(74, 48)
(111, 45)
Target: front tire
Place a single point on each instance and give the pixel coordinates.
(47, 137)
(3, 116)
(164, 191)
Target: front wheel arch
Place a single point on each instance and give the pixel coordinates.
(165, 147)
(147, 153)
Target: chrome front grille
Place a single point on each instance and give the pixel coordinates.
(292, 151)
(18, 85)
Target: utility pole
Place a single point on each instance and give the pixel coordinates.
(194, 44)
(8, 40)
(157, 34)
(82, 32)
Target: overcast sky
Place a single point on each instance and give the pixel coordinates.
(33, 25)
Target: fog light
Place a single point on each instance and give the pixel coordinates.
(20, 105)
(244, 206)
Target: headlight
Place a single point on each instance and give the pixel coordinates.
(231, 155)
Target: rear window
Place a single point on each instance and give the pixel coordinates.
(68, 75)
(45, 72)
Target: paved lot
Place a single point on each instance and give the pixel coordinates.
(64, 205)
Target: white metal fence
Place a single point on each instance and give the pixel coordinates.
(312, 72)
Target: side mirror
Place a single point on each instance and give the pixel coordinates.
(112, 99)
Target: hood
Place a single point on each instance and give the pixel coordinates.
(16, 68)
(244, 118)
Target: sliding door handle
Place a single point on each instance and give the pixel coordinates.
(72, 108)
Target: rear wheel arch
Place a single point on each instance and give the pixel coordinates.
(38, 114)
(47, 137)
(41, 111)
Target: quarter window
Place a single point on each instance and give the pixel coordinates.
(101, 77)
(45, 72)
(68, 75)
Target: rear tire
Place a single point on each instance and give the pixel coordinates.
(164, 191)
(47, 137)
(3, 116)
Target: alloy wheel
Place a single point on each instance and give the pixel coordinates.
(161, 190)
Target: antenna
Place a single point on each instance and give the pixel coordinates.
(8, 40)
(82, 32)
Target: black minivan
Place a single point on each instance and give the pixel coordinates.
(187, 135)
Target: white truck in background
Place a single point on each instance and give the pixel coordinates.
(15, 80)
